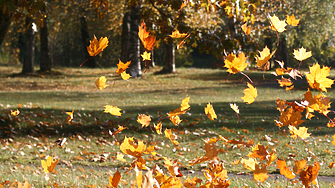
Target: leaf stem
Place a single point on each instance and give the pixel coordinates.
(86, 60)
(299, 65)
(246, 76)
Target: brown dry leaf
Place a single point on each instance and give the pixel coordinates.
(101, 83)
(299, 166)
(96, 46)
(249, 94)
(49, 165)
(277, 25)
(259, 151)
(292, 21)
(284, 170)
(264, 57)
(209, 111)
(144, 120)
(114, 110)
(317, 78)
(236, 64)
(211, 152)
(309, 174)
(246, 29)
(114, 181)
(130, 147)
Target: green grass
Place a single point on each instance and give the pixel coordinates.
(29, 137)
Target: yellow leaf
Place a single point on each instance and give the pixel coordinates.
(301, 54)
(119, 156)
(249, 94)
(235, 108)
(49, 165)
(96, 46)
(114, 110)
(15, 112)
(284, 82)
(146, 56)
(292, 21)
(158, 128)
(122, 67)
(144, 120)
(284, 170)
(276, 24)
(317, 78)
(130, 147)
(125, 76)
(24, 185)
(246, 29)
(235, 64)
(176, 34)
(260, 174)
(119, 129)
(168, 133)
(302, 132)
(114, 181)
(184, 107)
(101, 83)
(70, 116)
(264, 57)
(209, 111)
(249, 164)
(175, 120)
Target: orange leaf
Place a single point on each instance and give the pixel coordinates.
(301, 54)
(120, 128)
(144, 120)
(246, 29)
(175, 120)
(290, 117)
(70, 116)
(184, 107)
(114, 181)
(172, 167)
(114, 110)
(284, 170)
(309, 174)
(276, 24)
(101, 83)
(292, 21)
(249, 94)
(299, 166)
(264, 57)
(333, 142)
(15, 112)
(317, 78)
(192, 183)
(24, 185)
(235, 64)
(148, 41)
(122, 67)
(259, 151)
(96, 46)
(176, 34)
(260, 174)
(284, 82)
(49, 165)
(209, 111)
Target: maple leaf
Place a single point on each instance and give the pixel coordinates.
(101, 83)
(302, 132)
(122, 66)
(284, 82)
(259, 151)
(114, 181)
(125, 76)
(209, 111)
(175, 120)
(277, 25)
(96, 46)
(246, 29)
(249, 163)
(146, 56)
(172, 167)
(301, 54)
(317, 78)
(130, 147)
(235, 108)
(191, 183)
(172, 182)
(119, 156)
(184, 107)
(235, 64)
(264, 57)
(119, 129)
(292, 21)
(260, 174)
(250, 94)
(290, 117)
(158, 128)
(24, 185)
(15, 112)
(49, 165)
(70, 116)
(211, 152)
(309, 174)
(168, 133)
(144, 120)
(114, 110)
(299, 166)
(176, 34)
(284, 170)
(148, 41)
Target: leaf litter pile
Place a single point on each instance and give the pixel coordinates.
(158, 158)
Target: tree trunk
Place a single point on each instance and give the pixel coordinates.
(281, 54)
(28, 63)
(85, 42)
(169, 66)
(5, 20)
(125, 37)
(45, 64)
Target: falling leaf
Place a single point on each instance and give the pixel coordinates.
(24, 185)
(259, 151)
(277, 25)
(168, 133)
(148, 41)
(60, 142)
(333, 142)
(114, 110)
(292, 21)
(290, 117)
(122, 67)
(246, 29)
(301, 132)
(15, 112)
(101, 83)
(249, 163)
(301, 54)
(96, 46)
(284, 170)
(176, 34)
(70, 116)
(125, 76)
(119, 129)
(235, 108)
(260, 174)
(130, 147)
(235, 64)
(191, 183)
(49, 165)
(114, 181)
(175, 120)
(317, 78)
(158, 128)
(211, 152)
(172, 167)
(309, 174)
(299, 166)
(144, 120)
(264, 57)
(119, 156)
(209, 111)
(284, 82)
(146, 56)
(184, 106)
(249, 94)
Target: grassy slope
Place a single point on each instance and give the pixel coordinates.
(46, 98)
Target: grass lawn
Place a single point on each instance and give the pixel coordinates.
(89, 155)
